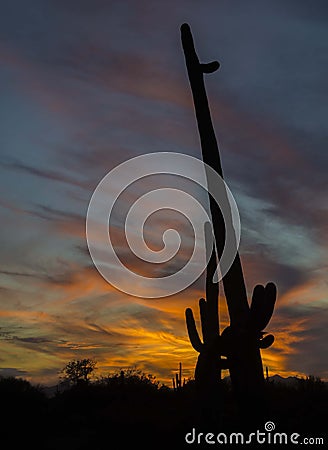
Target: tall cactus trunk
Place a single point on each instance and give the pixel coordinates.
(245, 364)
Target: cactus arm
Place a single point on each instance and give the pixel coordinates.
(212, 295)
(262, 305)
(192, 331)
(208, 369)
(211, 287)
(208, 307)
(233, 282)
(266, 342)
(270, 301)
(204, 319)
(257, 305)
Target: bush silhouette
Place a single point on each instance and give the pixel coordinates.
(134, 408)
(78, 371)
(17, 391)
(22, 406)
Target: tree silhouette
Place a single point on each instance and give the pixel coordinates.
(78, 370)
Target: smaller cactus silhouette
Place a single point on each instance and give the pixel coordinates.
(209, 363)
(177, 380)
(261, 310)
(242, 344)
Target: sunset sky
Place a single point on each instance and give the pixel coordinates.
(86, 85)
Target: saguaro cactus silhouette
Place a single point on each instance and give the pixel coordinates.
(207, 371)
(242, 340)
(177, 381)
(209, 362)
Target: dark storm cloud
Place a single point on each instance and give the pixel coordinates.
(12, 372)
(55, 279)
(44, 173)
